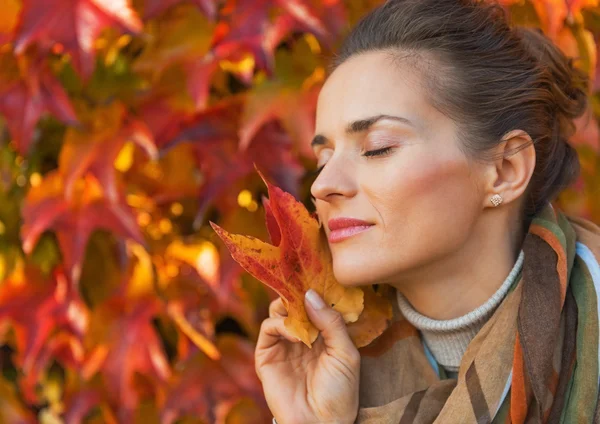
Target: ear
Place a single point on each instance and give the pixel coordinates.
(514, 162)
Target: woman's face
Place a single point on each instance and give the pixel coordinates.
(421, 194)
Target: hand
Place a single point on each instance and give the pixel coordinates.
(302, 385)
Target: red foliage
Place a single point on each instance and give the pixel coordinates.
(131, 124)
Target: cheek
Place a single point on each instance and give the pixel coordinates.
(426, 195)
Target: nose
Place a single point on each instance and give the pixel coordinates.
(337, 178)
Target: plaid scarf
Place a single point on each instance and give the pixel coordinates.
(535, 360)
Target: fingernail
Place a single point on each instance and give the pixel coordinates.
(314, 299)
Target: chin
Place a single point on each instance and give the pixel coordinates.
(353, 276)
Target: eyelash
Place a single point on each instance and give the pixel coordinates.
(378, 152)
(372, 153)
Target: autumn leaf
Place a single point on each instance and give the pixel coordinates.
(74, 25)
(25, 99)
(324, 19)
(294, 109)
(80, 403)
(95, 148)
(156, 7)
(246, 26)
(210, 390)
(124, 342)
(300, 261)
(73, 219)
(375, 317)
(290, 98)
(214, 135)
(49, 320)
(182, 37)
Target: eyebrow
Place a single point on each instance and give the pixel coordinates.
(359, 126)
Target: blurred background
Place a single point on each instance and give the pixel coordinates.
(125, 126)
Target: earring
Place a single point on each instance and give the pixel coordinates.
(496, 199)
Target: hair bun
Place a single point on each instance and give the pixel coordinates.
(568, 84)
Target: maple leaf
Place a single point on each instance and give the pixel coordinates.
(164, 119)
(203, 285)
(246, 26)
(24, 100)
(79, 404)
(242, 27)
(49, 320)
(125, 343)
(300, 261)
(325, 19)
(73, 220)
(214, 135)
(156, 7)
(375, 318)
(295, 109)
(96, 148)
(209, 390)
(182, 37)
(74, 24)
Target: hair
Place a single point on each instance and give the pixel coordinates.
(488, 77)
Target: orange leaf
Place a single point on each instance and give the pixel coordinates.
(375, 317)
(301, 260)
(74, 219)
(95, 148)
(25, 99)
(73, 24)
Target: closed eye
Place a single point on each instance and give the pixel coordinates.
(371, 153)
(378, 152)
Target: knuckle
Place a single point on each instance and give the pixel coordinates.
(337, 320)
(275, 307)
(264, 325)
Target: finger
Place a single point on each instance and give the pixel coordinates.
(331, 325)
(272, 330)
(276, 308)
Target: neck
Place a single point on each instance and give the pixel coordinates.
(465, 279)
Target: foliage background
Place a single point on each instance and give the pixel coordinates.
(124, 128)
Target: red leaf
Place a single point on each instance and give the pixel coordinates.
(75, 24)
(81, 403)
(95, 149)
(325, 19)
(301, 261)
(214, 136)
(162, 118)
(47, 208)
(294, 109)
(126, 343)
(49, 320)
(208, 389)
(242, 28)
(156, 7)
(206, 287)
(272, 226)
(246, 26)
(23, 101)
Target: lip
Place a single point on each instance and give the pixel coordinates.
(343, 228)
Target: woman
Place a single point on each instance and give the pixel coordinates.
(444, 133)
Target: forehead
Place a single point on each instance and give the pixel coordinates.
(369, 84)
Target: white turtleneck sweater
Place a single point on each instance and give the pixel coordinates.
(448, 339)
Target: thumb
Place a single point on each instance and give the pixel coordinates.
(329, 322)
